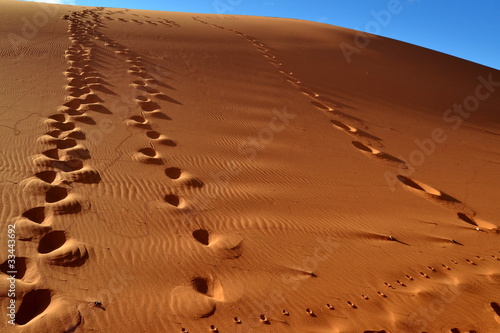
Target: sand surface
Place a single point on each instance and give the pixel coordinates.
(197, 173)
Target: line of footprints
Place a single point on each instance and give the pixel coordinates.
(364, 142)
(416, 277)
(63, 165)
(147, 97)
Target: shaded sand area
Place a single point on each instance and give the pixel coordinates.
(174, 172)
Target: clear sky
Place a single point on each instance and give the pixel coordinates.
(468, 29)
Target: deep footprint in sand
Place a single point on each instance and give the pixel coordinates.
(174, 200)
(138, 121)
(198, 298)
(379, 155)
(56, 248)
(60, 201)
(148, 156)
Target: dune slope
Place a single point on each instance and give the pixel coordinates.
(176, 172)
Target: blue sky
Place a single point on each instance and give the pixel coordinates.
(468, 29)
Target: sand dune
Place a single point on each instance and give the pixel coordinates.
(176, 172)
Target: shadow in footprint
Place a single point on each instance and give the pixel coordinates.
(46, 176)
(20, 267)
(354, 131)
(430, 190)
(36, 214)
(174, 200)
(466, 218)
(33, 304)
(202, 236)
(52, 241)
(321, 106)
(496, 307)
(55, 194)
(173, 172)
(377, 153)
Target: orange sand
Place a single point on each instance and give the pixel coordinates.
(184, 170)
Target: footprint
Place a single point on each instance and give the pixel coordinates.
(352, 305)
(477, 222)
(28, 229)
(61, 202)
(84, 119)
(69, 111)
(146, 104)
(438, 197)
(138, 121)
(36, 214)
(33, 304)
(55, 194)
(51, 153)
(90, 98)
(312, 94)
(39, 183)
(189, 181)
(53, 133)
(173, 173)
(138, 84)
(58, 117)
(321, 106)
(197, 299)
(496, 308)
(97, 107)
(174, 200)
(78, 92)
(354, 131)
(56, 248)
(378, 154)
(40, 309)
(202, 236)
(63, 126)
(52, 241)
(25, 269)
(148, 156)
(65, 143)
(421, 187)
(75, 83)
(292, 79)
(148, 89)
